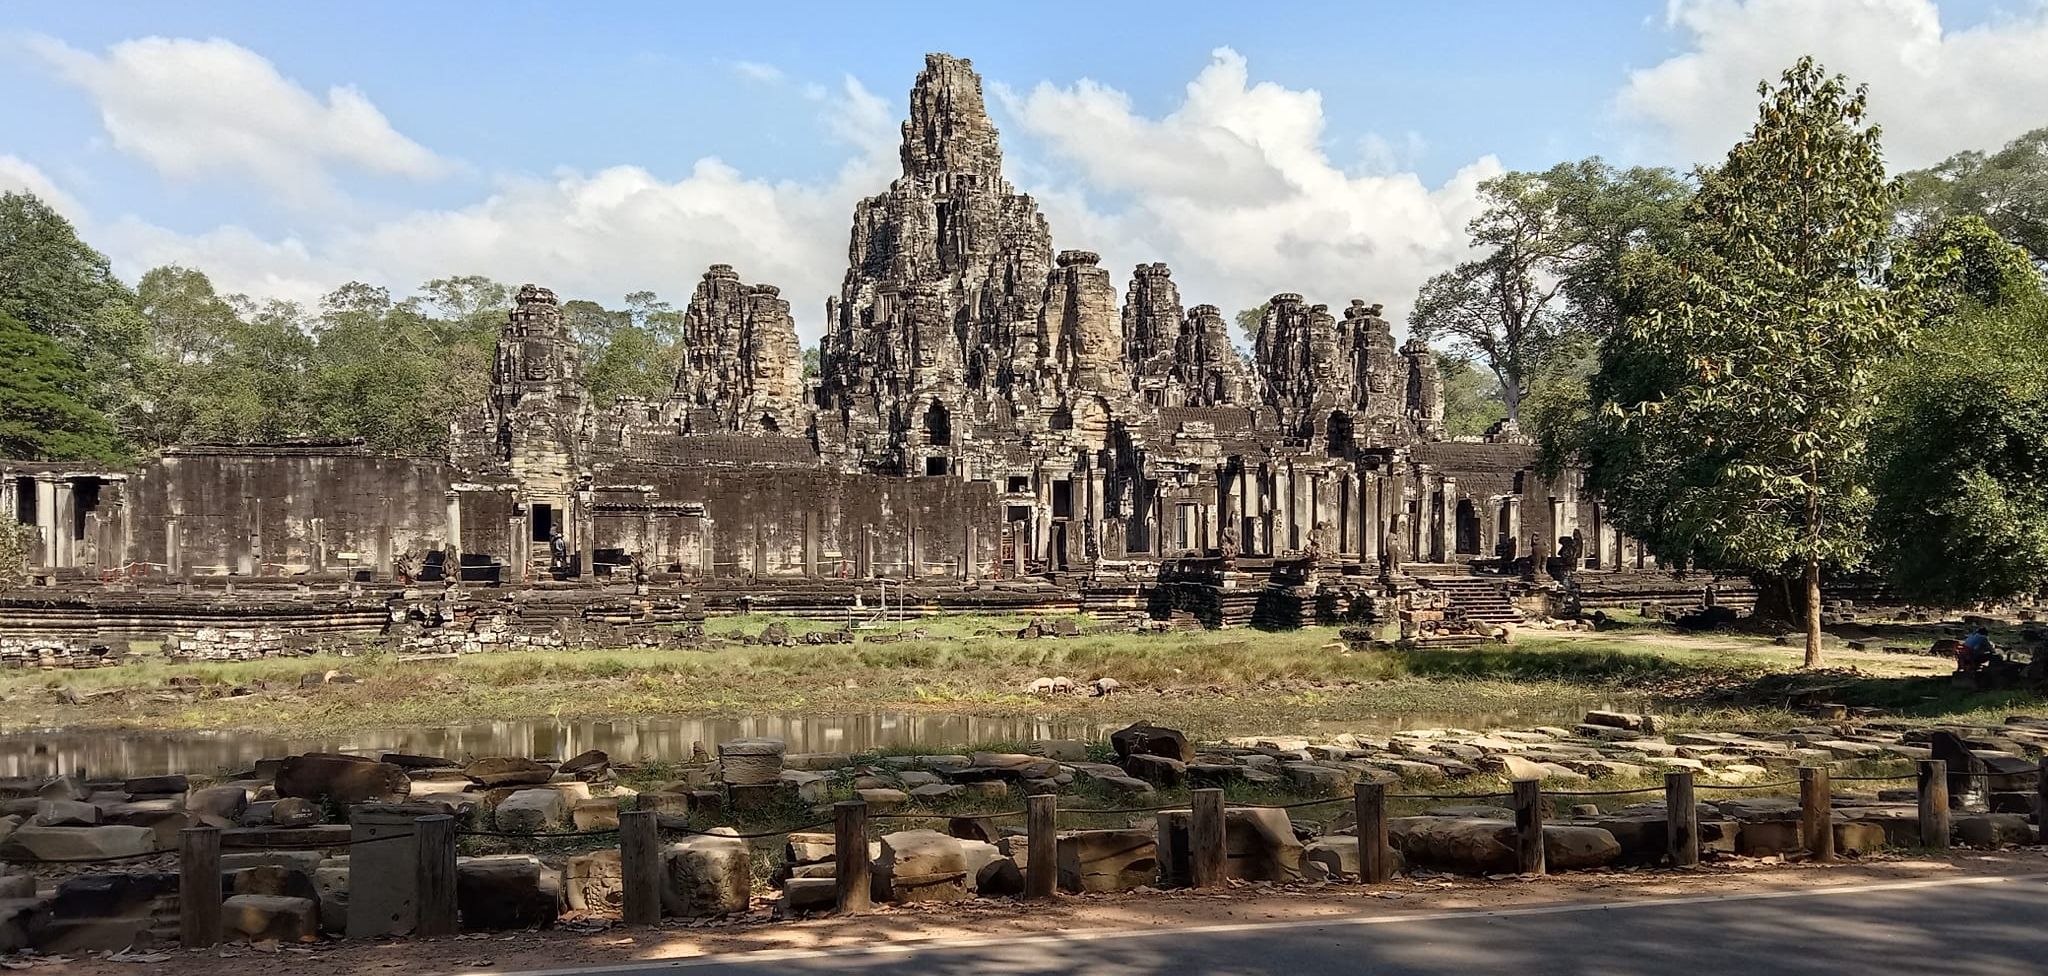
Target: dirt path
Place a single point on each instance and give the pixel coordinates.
(516, 952)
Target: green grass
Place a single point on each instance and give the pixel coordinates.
(1211, 683)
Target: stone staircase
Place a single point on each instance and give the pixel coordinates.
(1473, 598)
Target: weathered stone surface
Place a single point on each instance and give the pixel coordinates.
(532, 811)
(508, 771)
(1993, 830)
(705, 875)
(596, 813)
(506, 891)
(1156, 769)
(594, 882)
(218, 806)
(742, 368)
(921, 865)
(66, 813)
(1145, 739)
(259, 918)
(341, 779)
(1107, 860)
(172, 783)
(810, 895)
(750, 762)
(33, 842)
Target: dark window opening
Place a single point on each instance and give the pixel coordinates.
(85, 497)
(935, 464)
(543, 523)
(768, 424)
(1339, 432)
(938, 425)
(1017, 513)
(25, 500)
(1468, 528)
(1062, 498)
(1020, 482)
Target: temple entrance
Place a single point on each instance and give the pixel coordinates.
(1468, 528)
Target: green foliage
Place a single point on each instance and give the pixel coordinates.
(392, 374)
(1962, 261)
(2008, 189)
(634, 352)
(1961, 455)
(44, 409)
(1551, 269)
(1248, 320)
(1472, 401)
(214, 368)
(15, 538)
(1749, 377)
(61, 288)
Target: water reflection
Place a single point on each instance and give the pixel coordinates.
(124, 754)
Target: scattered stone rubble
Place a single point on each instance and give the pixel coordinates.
(299, 801)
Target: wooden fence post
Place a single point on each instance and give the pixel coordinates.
(1816, 814)
(434, 838)
(1375, 857)
(1934, 804)
(2041, 801)
(850, 855)
(1206, 856)
(1528, 795)
(199, 887)
(1042, 851)
(1681, 820)
(640, 867)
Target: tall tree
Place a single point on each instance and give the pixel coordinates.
(44, 413)
(1548, 276)
(1471, 397)
(60, 287)
(2008, 188)
(1760, 353)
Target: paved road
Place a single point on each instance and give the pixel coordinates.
(1951, 928)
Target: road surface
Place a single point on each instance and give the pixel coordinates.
(1956, 927)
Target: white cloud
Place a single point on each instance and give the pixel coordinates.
(596, 235)
(757, 71)
(195, 109)
(19, 175)
(1234, 190)
(1935, 91)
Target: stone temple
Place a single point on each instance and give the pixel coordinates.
(991, 426)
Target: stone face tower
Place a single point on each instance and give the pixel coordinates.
(742, 369)
(537, 419)
(945, 281)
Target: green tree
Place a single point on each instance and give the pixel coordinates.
(1960, 451)
(1963, 262)
(1753, 372)
(60, 287)
(44, 413)
(1471, 397)
(634, 352)
(2008, 188)
(1550, 270)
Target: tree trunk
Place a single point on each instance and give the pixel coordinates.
(1813, 610)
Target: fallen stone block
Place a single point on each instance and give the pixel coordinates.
(706, 875)
(921, 866)
(341, 779)
(532, 811)
(34, 842)
(507, 891)
(1107, 860)
(260, 918)
(595, 882)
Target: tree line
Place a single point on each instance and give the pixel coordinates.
(1790, 365)
(104, 372)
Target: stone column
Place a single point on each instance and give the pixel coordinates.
(519, 551)
(1450, 516)
(811, 543)
(1521, 546)
(452, 550)
(46, 520)
(1369, 528)
(1556, 527)
(586, 536)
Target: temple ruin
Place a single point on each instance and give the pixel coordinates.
(989, 425)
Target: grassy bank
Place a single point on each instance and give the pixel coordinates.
(1210, 683)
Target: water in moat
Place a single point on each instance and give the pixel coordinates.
(117, 754)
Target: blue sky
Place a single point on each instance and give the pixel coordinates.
(1324, 148)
